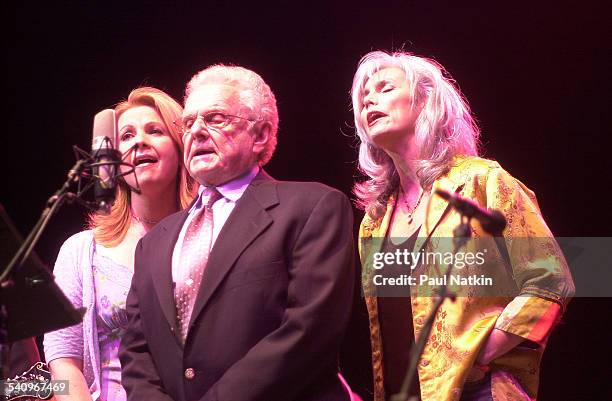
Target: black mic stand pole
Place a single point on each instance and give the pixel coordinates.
(461, 234)
(52, 206)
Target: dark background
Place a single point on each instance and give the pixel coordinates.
(535, 74)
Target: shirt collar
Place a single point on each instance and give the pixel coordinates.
(232, 190)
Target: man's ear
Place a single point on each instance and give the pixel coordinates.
(261, 136)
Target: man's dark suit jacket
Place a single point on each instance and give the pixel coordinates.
(270, 314)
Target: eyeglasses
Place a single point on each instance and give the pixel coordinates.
(215, 120)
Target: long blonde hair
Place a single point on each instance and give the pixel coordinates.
(109, 230)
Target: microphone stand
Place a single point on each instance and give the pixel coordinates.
(461, 235)
(52, 206)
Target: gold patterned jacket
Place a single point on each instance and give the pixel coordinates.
(532, 263)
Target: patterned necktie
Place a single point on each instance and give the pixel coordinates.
(194, 255)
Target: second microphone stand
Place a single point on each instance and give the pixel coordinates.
(461, 235)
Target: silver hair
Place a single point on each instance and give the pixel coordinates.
(444, 128)
(255, 94)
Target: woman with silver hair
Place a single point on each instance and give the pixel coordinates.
(418, 135)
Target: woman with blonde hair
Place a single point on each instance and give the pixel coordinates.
(94, 267)
(417, 135)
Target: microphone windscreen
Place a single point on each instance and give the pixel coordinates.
(104, 126)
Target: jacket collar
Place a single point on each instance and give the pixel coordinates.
(451, 182)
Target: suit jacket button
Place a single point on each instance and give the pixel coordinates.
(189, 374)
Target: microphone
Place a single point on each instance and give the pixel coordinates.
(492, 221)
(106, 160)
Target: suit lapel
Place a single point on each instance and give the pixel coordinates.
(248, 219)
(162, 271)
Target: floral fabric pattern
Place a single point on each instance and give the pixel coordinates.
(536, 273)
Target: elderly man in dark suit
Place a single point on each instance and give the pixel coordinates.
(246, 295)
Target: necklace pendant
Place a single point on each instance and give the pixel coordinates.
(410, 214)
